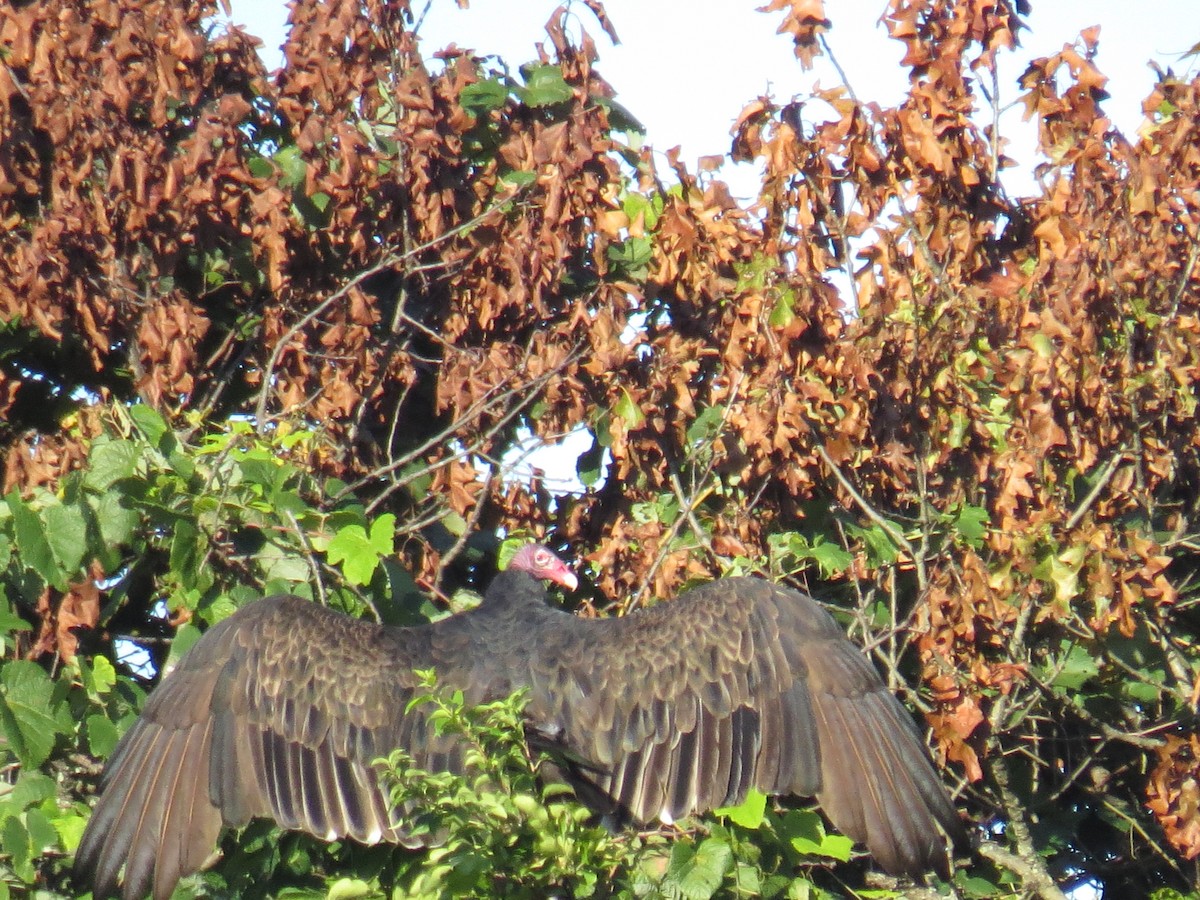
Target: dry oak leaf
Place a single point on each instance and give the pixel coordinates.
(1173, 793)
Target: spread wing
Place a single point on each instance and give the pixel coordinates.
(278, 711)
(740, 683)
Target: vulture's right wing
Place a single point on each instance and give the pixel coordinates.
(740, 683)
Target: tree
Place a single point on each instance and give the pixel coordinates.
(278, 333)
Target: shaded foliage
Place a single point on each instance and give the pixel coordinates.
(261, 331)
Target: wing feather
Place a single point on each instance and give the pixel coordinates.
(741, 684)
(280, 710)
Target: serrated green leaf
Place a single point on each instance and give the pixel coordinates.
(829, 557)
(70, 827)
(880, 548)
(42, 835)
(697, 873)
(27, 711)
(31, 788)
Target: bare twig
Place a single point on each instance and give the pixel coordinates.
(894, 534)
(1107, 472)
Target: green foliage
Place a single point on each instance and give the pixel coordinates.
(204, 527)
(501, 832)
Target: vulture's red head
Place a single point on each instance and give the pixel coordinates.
(541, 562)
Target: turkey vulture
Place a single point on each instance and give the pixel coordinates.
(280, 710)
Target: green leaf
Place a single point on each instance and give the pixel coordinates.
(260, 167)
(706, 426)
(482, 96)
(152, 426)
(749, 813)
(32, 543)
(633, 255)
(974, 886)
(98, 676)
(383, 535)
(10, 621)
(881, 550)
(116, 521)
(102, 735)
(355, 552)
(625, 408)
(31, 789)
(590, 464)
(293, 166)
(519, 178)
(110, 461)
(829, 557)
(15, 841)
(807, 835)
(66, 531)
(544, 86)
(1142, 691)
(27, 711)
(42, 835)
(971, 524)
(697, 872)
(70, 830)
(782, 313)
(1076, 668)
(187, 549)
(348, 889)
